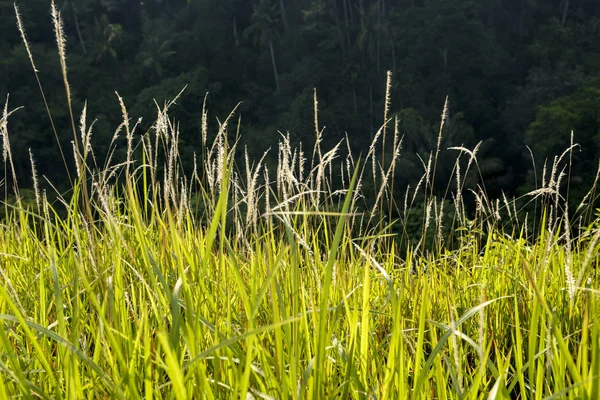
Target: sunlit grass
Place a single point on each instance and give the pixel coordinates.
(146, 283)
(152, 300)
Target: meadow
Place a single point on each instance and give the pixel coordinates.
(236, 281)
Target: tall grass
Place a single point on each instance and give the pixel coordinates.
(287, 284)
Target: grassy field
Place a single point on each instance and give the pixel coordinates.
(242, 282)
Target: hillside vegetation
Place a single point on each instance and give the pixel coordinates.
(514, 72)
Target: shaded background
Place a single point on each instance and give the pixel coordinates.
(517, 73)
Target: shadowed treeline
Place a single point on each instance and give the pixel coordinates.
(516, 73)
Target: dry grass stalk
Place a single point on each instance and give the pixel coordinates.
(440, 225)
(571, 287)
(507, 205)
(386, 110)
(61, 42)
(37, 78)
(204, 123)
(6, 151)
(128, 136)
(36, 186)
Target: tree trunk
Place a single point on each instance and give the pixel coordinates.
(522, 14)
(339, 29)
(361, 10)
(371, 111)
(393, 46)
(444, 53)
(283, 15)
(563, 19)
(79, 35)
(347, 23)
(235, 32)
(378, 44)
(76, 23)
(274, 65)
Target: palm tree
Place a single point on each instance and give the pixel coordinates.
(103, 37)
(127, 12)
(154, 54)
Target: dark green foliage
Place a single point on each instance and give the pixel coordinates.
(498, 61)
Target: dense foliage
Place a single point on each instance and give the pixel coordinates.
(497, 60)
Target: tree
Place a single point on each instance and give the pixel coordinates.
(156, 49)
(126, 12)
(103, 38)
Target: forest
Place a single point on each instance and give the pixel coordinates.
(520, 76)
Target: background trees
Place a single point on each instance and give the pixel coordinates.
(516, 72)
